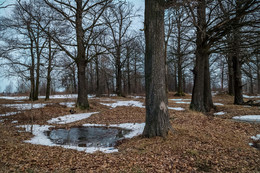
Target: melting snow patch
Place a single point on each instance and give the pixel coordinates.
(14, 121)
(251, 97)
(9, 113)
(68, 104)
(256, 138)
(70, 118)
(176, 108)
(220, 113)
(14, 98)
(218, 104)
(25, 106)
(248, 118)
(125, 103)
(183, 102)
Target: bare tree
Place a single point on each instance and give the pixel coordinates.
(82, 17)
(119, 19)
(157, 116)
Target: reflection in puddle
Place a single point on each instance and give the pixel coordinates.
(87, 136)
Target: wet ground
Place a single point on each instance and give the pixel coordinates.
(87, 136)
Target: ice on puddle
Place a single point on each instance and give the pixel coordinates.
(41, 139)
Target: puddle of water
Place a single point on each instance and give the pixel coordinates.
(87, 136)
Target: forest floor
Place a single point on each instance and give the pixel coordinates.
(199, 143)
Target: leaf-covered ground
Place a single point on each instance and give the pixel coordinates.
(199, 143)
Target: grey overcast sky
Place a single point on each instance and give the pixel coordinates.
(138, 24)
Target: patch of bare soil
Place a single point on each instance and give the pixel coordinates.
(199, 143)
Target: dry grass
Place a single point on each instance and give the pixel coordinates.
(199, 143)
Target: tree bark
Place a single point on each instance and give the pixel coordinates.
(157, 116)
(238, 99)
(230, 75)
(118, 73)
(201, 94)
(97, 82)
(258, 73)
(82, 101)
(236, 59)
(48, 87)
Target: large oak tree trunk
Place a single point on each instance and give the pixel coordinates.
(157, 116)
(230, 76)
(238, 99)
(201, 94)
(236, 59)
(82, 101)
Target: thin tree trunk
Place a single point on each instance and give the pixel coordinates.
(48, 87)
(118, 74)
(32, 69)
(97, 82)
(157, 116)
(128, 71)
(179, 60)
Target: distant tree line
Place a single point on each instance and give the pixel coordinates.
(94, 47)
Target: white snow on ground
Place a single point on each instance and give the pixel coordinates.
(41, 139)
(218, 104)
(70, 118)
(138, 97)
(251, 97)
(14, 98)
(125, 103)
(26, 106)
(220, 113)
(182, 102)
(9, 113)
(180, 99)
(65, 96)
(248, 118)
(256, 138)
(176, 108)
(14, 121)
(2, 121)
(68, 104)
